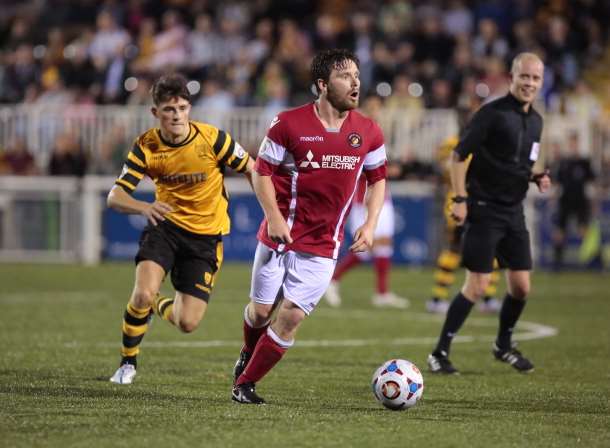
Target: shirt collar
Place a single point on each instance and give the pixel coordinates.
(518, 104)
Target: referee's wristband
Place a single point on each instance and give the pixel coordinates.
(458, 199)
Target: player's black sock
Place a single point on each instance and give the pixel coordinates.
(456, 315)
(135, 324)
(509, 314)
(130, 360)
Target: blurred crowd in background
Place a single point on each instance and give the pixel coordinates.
(416, 56)
(419, 54)
(424, 53)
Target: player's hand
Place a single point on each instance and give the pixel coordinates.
(278, 231)
(542, 180)
(363, 239)
(156, 212)
(459, 211)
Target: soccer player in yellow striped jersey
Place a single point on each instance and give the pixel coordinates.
(186, 160)
(449, 259)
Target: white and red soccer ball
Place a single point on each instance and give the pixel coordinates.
(398, 384)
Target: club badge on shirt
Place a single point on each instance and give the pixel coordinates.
(354, 139)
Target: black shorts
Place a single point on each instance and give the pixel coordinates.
(580, 210)
(495, 231)
(192, 259)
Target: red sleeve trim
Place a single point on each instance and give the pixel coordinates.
(375, 175)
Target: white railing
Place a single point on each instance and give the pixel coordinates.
(407, 132)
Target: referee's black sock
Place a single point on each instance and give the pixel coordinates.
(509, 315)
(456, 315)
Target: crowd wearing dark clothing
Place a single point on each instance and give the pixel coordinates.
(78, 51)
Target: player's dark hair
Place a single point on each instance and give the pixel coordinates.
(170, 86)
(324, 63)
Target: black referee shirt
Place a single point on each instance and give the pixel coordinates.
(505, 142)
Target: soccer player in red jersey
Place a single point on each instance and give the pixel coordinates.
(305, 179)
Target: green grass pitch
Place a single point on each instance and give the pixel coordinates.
(60, 337)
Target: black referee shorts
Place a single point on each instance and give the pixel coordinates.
(192, 259)
(493, 231)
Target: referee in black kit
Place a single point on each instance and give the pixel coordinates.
(504, 140)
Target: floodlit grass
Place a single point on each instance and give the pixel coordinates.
(60, 336)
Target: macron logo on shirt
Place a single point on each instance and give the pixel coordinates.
(309, 161)
(311, 138)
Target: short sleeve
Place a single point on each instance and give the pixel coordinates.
(272, 150)
(376, 158)
(475, 133)
(229, 152)
(134, 169)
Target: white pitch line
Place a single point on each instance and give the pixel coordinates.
(528, 331)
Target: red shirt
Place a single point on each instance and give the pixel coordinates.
(315, 171)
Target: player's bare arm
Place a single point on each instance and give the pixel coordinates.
(276, 224)
(119, 200)
(457, 169)
(363, 238)
(248, 172)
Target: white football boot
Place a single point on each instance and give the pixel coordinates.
(124, 374)
(390, 300)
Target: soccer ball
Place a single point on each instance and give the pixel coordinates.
(398, 384)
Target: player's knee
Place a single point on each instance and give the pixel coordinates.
(287, 328)
(288, 321)
(259, 313)
(520, 290)
(476, 289)
(143, 297)
(187, 325)
(479, 291)
(295, 317)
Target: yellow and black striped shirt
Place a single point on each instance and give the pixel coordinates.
(188, 175)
